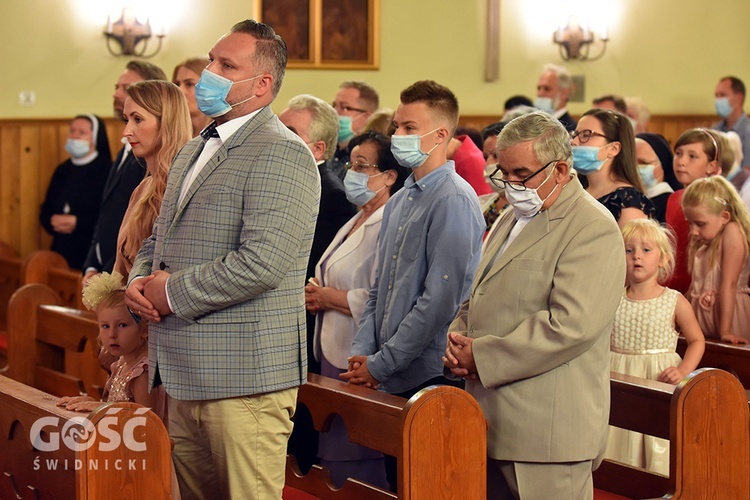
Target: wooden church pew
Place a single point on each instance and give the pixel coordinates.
(707, 421)
(438, 436)
(725, 356)
(51, 269)
(127, 457)
(45, 341)
(10, 281)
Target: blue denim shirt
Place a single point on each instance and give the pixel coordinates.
(429, 248)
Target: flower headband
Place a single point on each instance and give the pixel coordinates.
(99, 287)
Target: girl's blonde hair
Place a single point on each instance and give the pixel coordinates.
(716, 195)
(104, 290)
(664, 239)
(166, 102)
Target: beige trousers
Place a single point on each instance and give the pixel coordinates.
(534, 481)
(232, 448)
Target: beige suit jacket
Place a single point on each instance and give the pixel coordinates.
(541, 315)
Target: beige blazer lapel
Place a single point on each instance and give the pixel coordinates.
(533, 232)
(498, 238)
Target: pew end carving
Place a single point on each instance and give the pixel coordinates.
(707, 422)
(438, 436)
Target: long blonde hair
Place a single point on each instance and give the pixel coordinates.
(716, 194)
(166, 102)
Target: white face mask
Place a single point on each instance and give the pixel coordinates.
(527, 203)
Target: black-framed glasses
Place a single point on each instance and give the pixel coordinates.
(584, 135)
(347, 109)
(515, 185)
(360, 167)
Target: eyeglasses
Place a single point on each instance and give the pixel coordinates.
(515, 185)
(584, 135)
(347, 109)
(360, 167)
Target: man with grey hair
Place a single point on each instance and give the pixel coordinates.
(553, 92)
(532, 341)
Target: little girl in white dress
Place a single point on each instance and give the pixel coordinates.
(644, 335)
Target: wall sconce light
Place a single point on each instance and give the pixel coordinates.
(129, 32)
(575, 41)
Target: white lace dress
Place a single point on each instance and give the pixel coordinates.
(643, 344)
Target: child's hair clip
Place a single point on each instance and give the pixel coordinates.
(720, 200)
(135, 317)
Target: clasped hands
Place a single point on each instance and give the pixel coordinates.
(147, 296)
(63, 223)
(459, 356)
(313, 294)
(358, 373)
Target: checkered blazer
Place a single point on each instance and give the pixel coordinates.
(237, 250)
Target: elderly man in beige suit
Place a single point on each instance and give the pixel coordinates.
(533, 338)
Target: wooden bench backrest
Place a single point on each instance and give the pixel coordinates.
(725, 356)
(51, 269)
(10, 279)
(707, 422)
(435, 434)
(140, 470)
(50, 347)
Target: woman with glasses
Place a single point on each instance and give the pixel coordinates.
(604, 151)
(338, 293)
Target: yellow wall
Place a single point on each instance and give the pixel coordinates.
(670, 52)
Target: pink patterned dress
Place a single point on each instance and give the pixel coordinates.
(705, 299)
(119, 385)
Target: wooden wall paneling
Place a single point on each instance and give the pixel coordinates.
(114, 134)
(10, 197)
(30, 160)
(52, 153)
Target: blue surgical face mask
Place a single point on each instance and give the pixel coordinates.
(211, 93)
(647, 175)
(345, 128)
(545, 104)
(723, 108)
(78, 148)
(357, 191)
(407, 149)
(585, 159)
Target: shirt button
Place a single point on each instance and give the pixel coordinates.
(400, 228)
(390, 286)
(445, 276)
(411, 199)
(394, 257)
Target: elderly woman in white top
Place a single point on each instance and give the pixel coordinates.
(338, 293)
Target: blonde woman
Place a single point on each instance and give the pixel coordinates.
(157, 126)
